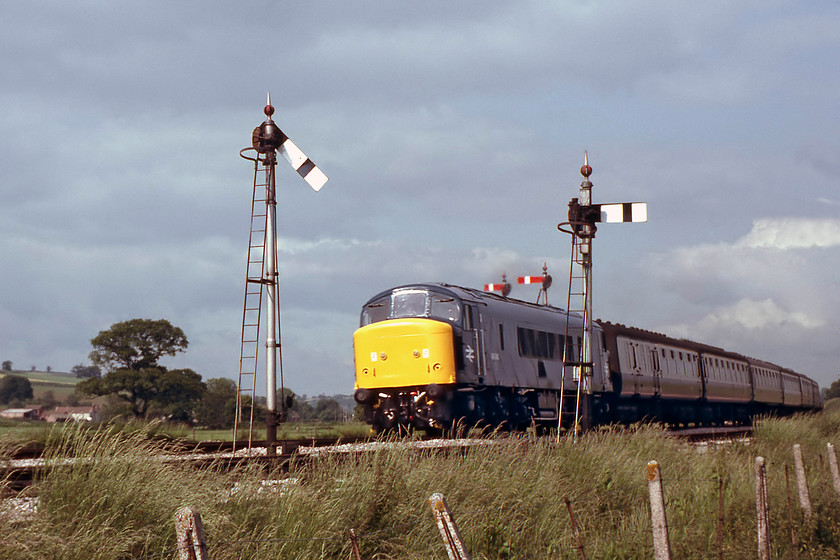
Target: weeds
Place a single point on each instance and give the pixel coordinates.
(508, 498)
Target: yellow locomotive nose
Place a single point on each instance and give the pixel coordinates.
(404, 352)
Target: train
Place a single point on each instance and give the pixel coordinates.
(429, 356)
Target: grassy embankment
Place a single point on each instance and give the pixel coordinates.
(508, 500)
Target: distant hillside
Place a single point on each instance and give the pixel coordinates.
(60, 383)
(60, 377)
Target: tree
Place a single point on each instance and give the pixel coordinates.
(48, 399)
(83, 372)
(136, 344)
(7, 365)
(15, 388)
(130, 351)
(218, 404)
(179, 394)
(833, 391)
(329, 410)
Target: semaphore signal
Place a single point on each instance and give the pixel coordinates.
(504, 287)
(544, 281)
(261, 274)
(583, 215)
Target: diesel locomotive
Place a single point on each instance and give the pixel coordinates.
(430, 355)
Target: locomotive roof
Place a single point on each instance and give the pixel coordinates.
(469, 294)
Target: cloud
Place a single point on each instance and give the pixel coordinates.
(792, 233)
(751, 315)
(452, 135)
(773, 293)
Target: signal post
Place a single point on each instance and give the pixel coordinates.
(583, 215)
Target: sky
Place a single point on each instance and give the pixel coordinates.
(452, 134)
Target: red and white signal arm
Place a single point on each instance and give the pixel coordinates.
(494, 287)
(531, 279)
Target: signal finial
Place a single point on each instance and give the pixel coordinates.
(586, 170)
(269, 109)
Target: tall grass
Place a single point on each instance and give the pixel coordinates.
(508, 499)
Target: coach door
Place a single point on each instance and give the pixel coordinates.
(491, 342)
(657, 371)
(474, 355)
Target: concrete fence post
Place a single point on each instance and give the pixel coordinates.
(451, 537)
(761, 510)
(832, 465)
(661, 544)
(802, 482)
(190, 535)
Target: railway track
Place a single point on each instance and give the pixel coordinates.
(20, 470)
(712, 433)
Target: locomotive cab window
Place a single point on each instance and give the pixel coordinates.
(445, 308)
(409, 304)
(376, 311)
(412, 303)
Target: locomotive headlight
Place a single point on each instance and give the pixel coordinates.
(383, 356)
(417, 353)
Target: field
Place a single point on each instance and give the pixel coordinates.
(61, 384)
(508, 499)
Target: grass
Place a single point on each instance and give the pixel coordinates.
(508, 499)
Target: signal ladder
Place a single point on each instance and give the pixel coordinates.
(575, 354)
(251, 309)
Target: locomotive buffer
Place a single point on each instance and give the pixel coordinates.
(583, 215)
(261, 277)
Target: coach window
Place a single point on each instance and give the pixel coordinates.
(468, 317)
(542, 344)
(570, 355)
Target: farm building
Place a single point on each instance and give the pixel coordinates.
(73, 414)
(21, 413)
